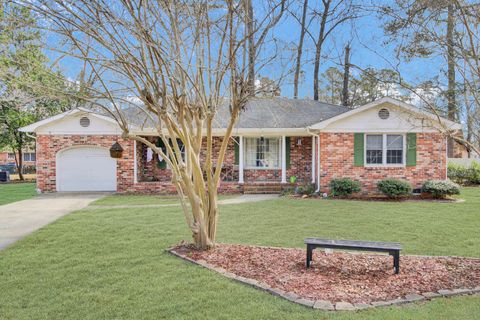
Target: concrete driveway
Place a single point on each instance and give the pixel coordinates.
(20, 218)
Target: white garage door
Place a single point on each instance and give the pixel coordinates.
(86, 169)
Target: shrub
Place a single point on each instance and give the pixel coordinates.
(344, 187)
(474, 175)
(463, 174)
(394, 188)
(307, 189)
(288, 191)
(440, 188)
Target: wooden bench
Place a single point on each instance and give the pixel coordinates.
(392, 248)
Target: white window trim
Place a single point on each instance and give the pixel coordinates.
(264, 168)
(384, 163)
(29, 156)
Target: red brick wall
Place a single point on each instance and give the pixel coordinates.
(300, 163)
(155, 180)
(49, 145)
(336, 157)
(4, 158)
(300, 159)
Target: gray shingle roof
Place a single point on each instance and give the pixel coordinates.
(280, 113)
(266, 113)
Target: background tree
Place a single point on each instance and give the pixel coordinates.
(24, 75)
(331, 86)
(370, 85)
(298, 59)
(346, 77)
(330, 15)
(185, 60)
(267, 87)
(449, 29)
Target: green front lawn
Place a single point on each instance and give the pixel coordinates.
(11, 192)
(111, 263)
(133, 200)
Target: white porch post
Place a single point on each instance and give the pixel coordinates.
(240, 160)
(313, 159)
(135, 170)
(284, 160)
(318, 163)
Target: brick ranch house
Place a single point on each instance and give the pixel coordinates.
(274, 140)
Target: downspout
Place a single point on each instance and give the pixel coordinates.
(30, 136)
(316, 135)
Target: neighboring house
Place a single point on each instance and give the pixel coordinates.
(274, 139)
(8, 157)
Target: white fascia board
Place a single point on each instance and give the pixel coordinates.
(243, 132)
(34, 126)
(451, 125)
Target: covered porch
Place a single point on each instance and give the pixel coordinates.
(265, 163)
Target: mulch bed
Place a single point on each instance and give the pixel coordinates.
(380, 198)
(339, 276)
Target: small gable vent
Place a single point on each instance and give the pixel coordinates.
(84, 122)
(383, 113)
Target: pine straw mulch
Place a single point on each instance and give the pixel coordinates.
(339, 276)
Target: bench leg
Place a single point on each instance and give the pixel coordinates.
(309, 255)
(396, 261)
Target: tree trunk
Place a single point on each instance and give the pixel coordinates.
(299, 51)
(251, 46)
(346, 76)
(318, 49)
(451, 105)
(20, 164)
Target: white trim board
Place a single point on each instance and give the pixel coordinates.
(393, 102)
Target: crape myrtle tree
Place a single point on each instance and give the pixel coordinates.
(183, 59)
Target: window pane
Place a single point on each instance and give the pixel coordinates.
(11, 156)
(394, 142)
(250, 152)
(26, 157)
(394, 149)
(33, 157)
(374, 142)
(374, 149)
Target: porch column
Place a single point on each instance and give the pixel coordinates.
(240, 160)
(284, 160)
(318, 162)
(313, 159)
(135, 168)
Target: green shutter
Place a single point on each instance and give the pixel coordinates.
(358, 147)
(161, 164)
(287, 151)
(411, 149)
(237, 149)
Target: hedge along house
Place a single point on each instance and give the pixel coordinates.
(276, 141)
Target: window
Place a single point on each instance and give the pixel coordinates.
(29, 156)
(262, 152)
(11, 156)
(384, 149)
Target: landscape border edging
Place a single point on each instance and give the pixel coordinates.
(325, 304)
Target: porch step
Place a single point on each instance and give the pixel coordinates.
(262, 188)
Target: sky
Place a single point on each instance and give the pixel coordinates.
(367, 43)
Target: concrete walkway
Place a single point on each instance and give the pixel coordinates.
(240, 199)
(244, 198)
(20, 218)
